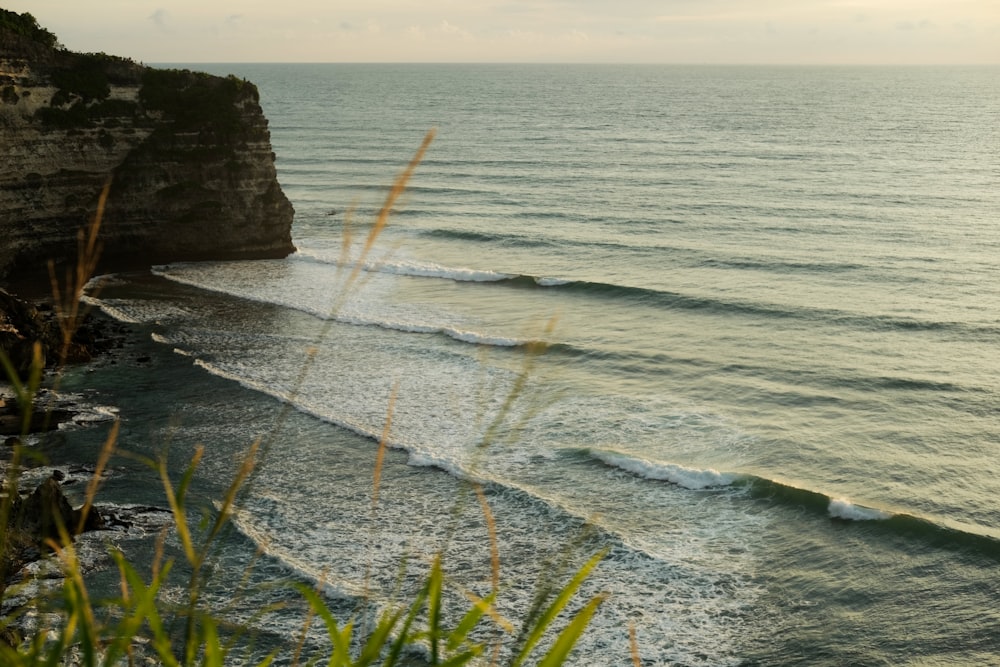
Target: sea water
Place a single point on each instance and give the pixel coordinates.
(738, 326)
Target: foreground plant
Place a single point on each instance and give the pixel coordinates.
(138, 623)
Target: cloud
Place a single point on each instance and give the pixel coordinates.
(159, 18)
(451, 29)
(875, 31)
(701, 18)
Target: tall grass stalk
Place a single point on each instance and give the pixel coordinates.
(352, 281)
(68, 298)
(24, 395)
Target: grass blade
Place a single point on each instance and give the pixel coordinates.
(557, 605)
(571, 633)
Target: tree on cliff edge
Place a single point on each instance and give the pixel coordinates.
(27, 26)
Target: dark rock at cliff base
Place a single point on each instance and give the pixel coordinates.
(42, 513)
(37, 519)
(188, 156)
(23, 324)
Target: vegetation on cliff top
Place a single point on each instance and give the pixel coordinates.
(26, 26)
(192, 100)
(195, 100)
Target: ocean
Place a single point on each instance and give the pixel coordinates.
(769, 302)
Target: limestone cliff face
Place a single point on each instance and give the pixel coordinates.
(188, 157)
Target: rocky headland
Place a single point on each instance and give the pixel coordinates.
(185, 159)
(187, 162)
(187, 155)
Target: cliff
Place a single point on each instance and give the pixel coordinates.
(188, 156)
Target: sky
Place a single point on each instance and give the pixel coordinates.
(589, 31)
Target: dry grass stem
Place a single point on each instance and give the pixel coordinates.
(383, 444)
(307, 623)
(533, 350)
(95, 481)
(67, 302)
(633, 645)
(382, 219)
(491, 528)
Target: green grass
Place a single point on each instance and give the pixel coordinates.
(138, 623)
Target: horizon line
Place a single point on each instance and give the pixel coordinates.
(564, 63)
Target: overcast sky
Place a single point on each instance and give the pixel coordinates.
(659, 31)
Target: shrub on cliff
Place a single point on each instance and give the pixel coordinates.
(26, 26)
(189, 98)
(86, 79)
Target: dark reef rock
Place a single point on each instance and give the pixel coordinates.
(37, 520)
(188, 157)
(41, 514)
(23, 324)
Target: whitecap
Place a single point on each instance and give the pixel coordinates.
(689, 478)
(552, 282)
(844, 509)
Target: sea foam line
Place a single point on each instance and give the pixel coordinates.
(418, 456)
(287, 398)
(697, 479)
(430, 270)
(689, 478)
(465, 336)
(403, 268)
(109, 310)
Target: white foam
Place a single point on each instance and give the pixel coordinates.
(429, 270)
(137, 311)
(304, 569)
(465, 336)
(364, 307)
(477, 338)
(844, 509)
(103, 280)
(215, 277)
(163, 340)
(689, 478)
(405, 268)
(405, 327)
(552, 282)
(296, 402)
(425, 459)
(97, 414)
(110, 310)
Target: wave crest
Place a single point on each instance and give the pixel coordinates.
(689, 478)
(840, 508)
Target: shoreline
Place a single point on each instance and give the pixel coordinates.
(44, 484)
